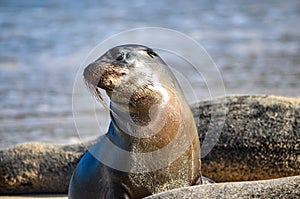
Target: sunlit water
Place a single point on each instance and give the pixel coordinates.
(256, 47)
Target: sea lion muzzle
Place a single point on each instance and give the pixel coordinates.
(104, 75)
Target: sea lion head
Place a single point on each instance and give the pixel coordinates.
(123, 71)
(133, 76)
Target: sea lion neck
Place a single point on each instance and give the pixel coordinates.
(155, 133)
(139, 107)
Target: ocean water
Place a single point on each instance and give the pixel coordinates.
(255, 45)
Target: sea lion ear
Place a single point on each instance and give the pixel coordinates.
(151, 53)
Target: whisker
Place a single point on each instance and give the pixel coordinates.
(97, 95)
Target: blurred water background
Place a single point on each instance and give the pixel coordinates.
(255, 44)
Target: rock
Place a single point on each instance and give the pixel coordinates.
(37, 168)
(278, 188)
(259, 139)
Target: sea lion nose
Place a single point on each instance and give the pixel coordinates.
(90, 73)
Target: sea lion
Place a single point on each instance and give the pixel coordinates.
(152, 143)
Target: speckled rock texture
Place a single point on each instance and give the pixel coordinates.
(288, 188)
(259, 139)
(37, 168)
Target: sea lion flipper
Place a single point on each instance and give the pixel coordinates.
(205, 180)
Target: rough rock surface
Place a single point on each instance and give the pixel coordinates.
(279, 188)
(36, 167)
(259, 139)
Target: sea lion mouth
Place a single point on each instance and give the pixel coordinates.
(111, 79)
(107, 84)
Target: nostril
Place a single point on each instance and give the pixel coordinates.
(123, 74)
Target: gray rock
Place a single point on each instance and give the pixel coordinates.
(259, 139)
(38, 167)
(278, 188)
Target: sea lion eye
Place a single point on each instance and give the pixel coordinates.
(151, 53)
(120, 56)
